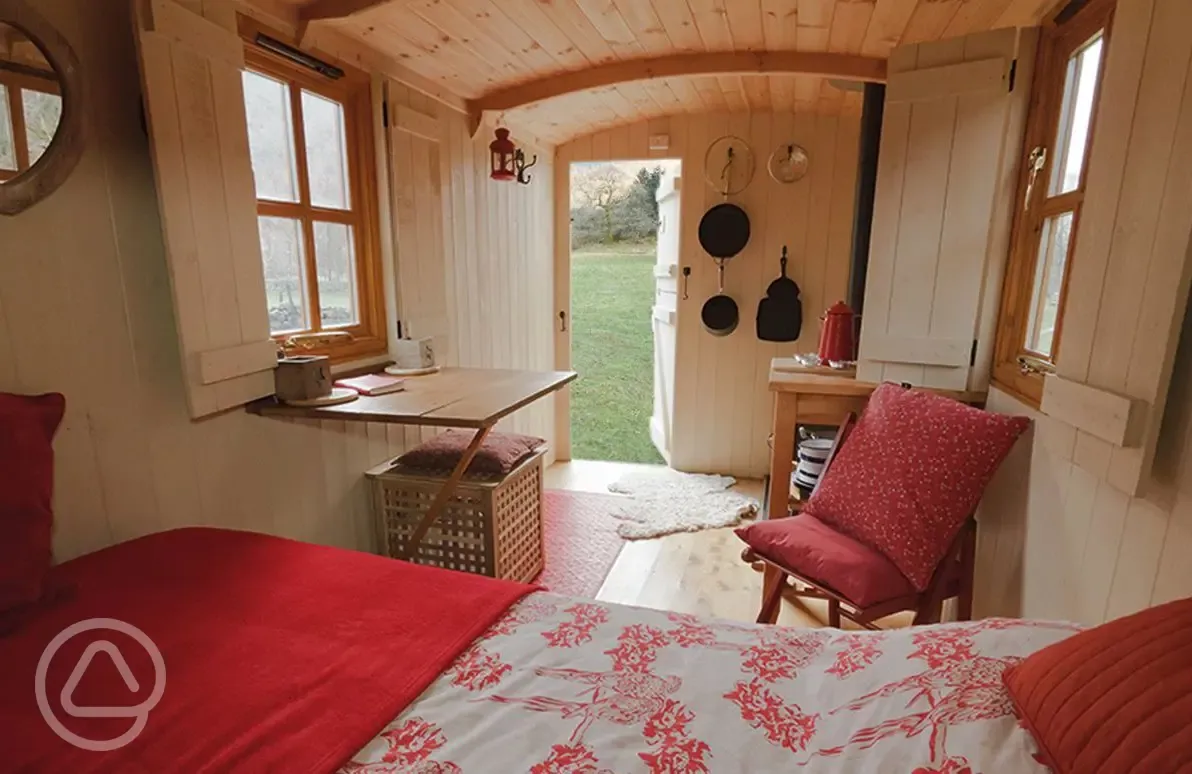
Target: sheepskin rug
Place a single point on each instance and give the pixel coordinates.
(664, 501)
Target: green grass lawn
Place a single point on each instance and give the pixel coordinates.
(612, 293)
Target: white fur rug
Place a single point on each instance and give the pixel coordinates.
(664, 501)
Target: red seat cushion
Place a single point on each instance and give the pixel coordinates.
(27, 427)
(1113, 699)
(819, 553)
(911, 473)
(499, 454)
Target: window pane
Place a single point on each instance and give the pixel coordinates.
(326, 152)
(42, 114)
(8, 148)
(335, 257)
(1049, 282)
(285, 268)
(271, 137)
(1076, 116)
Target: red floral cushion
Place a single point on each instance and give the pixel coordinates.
(910, 474)
(27, 427)
(819, 553)
(499, 454)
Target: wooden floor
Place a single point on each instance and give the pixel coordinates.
(693, 572)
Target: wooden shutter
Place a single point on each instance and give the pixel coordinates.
(946, 171)
(417, 194)
(194, 104)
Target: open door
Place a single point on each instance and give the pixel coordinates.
(666, 309)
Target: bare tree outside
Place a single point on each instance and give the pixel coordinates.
(601, 188)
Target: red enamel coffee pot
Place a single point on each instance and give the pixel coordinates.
(838, 335)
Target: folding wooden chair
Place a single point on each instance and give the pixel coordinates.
(952, 578)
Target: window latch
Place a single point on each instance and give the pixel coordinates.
(1029, 365)
(307, 341)
(1034, 163)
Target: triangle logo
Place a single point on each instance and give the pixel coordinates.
(76, 676)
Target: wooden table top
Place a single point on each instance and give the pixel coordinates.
(454, 397)
(782, 380)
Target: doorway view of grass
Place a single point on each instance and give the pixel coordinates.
(614, 234)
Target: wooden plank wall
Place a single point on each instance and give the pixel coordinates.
(475, 257)
(86, 311)
(722, 403)
(1072, 543)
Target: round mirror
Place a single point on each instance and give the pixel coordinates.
(40, 108)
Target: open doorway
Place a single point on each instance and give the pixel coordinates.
(623, 308)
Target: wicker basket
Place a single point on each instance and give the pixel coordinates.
(492, 525)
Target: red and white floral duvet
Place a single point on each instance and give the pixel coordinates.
(561, 686)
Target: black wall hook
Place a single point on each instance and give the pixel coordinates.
(686, 280)
(520, 165)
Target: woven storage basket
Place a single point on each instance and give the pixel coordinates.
(492, 525)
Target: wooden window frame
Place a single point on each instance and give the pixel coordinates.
(368, 338)
(1016, 369)
(14, 82)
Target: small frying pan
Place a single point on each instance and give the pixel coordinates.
(720, 314)
(724, 230)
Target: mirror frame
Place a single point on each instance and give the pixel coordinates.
(62, 156)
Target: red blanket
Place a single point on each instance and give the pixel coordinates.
(279, 656)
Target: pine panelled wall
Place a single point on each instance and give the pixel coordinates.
(1074, 542)
(86, 310)
(722, 411)
(475, 258)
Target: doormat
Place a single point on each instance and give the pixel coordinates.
(580, 539)
(665, 501)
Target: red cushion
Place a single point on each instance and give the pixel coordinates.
(1113, 699)
(819, 553)
(27, 427)
(911, 473)
(499, 454)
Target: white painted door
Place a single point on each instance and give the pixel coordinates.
(666, 308)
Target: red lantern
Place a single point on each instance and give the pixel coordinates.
(503, 152)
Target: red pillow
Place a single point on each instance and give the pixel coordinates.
(1113, 699)
(817, 552)
(499, 454)
(27, 427)
(910, 474)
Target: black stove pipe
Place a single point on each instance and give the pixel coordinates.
(871, 134)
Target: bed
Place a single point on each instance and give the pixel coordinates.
(283, 656)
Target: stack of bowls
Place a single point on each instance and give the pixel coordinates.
(813, 453)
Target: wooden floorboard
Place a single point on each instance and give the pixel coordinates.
(694, 572)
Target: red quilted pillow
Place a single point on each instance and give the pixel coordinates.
(1114, 699)
(910, 474)
(27, 427)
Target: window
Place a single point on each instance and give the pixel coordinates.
(1051, 191)
(311, 140)
(30, 109)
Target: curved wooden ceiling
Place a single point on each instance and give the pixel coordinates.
(482, 48)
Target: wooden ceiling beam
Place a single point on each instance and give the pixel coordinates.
(843, 66)
(320, 10)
